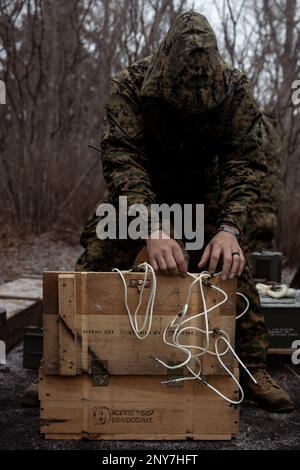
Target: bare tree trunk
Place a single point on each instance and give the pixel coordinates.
(57, 59)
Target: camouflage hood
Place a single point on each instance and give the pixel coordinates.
(187, 70)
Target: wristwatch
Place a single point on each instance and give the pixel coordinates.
(232, 230)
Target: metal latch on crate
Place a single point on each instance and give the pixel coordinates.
(139, 283)
(99, 373)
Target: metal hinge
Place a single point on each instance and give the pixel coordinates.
(99, 373)
(138, 283)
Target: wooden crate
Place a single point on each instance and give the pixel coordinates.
(137, 408)
(86, 326)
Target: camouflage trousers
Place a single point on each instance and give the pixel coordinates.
(251, 333)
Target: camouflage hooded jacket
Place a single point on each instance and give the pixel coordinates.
(182, 126)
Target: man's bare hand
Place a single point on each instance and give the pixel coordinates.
(224, 245)
(166, 255)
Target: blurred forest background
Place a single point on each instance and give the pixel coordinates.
(56, 58)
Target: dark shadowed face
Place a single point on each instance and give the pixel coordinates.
(187, 70)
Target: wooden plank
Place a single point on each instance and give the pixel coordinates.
(50, 344)
(93, 296)
(19, 297)
(139, 437)
(127, 418)
(140, 407)
(113, 343)
(67, 324)
(20, 313)
(22, 301)
(124, 387)
(32, 276)
(50, 323)
(22, 287)
(103, 294)
(50, 292)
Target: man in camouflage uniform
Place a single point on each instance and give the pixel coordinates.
(182, 127)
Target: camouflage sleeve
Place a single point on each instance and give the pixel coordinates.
(262, 221)
(241, 158)
(272, 186)
(123, 153)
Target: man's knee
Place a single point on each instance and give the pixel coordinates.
(104, 255)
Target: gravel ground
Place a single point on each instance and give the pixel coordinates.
(19, 427)
(34, 254)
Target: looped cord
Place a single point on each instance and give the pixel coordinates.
(180, 324)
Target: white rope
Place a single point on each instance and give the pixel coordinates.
(180, 324)
(143, 331)
(278, 292)
(246, 308)
(181, 321)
